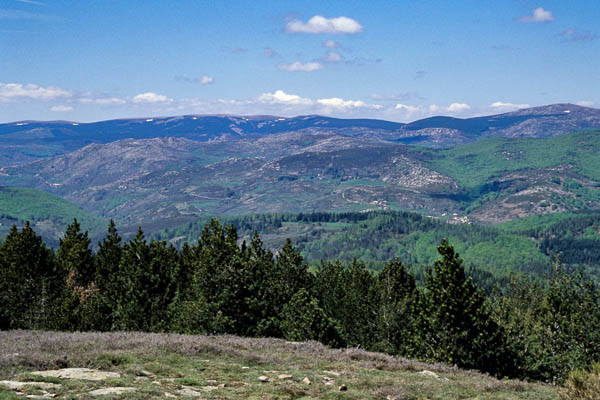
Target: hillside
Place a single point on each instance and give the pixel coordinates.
(26, 141)
(49, 214)
(168, 181)
(228, 367)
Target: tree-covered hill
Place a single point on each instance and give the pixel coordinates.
(48, 214)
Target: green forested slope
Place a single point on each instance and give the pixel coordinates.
(49, 214)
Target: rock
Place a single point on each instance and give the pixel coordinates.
(112, 391)
(306, 381)
(41, 396)
(430, 374)
(78, 373)
(15, 385)
(209, 388)
(328, 379)
(211, 381)
(221, 385)
(284, 376)
(170, 396)
(263, 378)
(334, 373)
(245, 367)
(188, 392)
(146, 373)
(343, 388)
(156, 383)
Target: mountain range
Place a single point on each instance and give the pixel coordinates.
(166, 171)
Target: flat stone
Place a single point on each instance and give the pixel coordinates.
(188, 392)
(285, 376)
(78, 373)
(15, 385)
(263, 378)
(169, 395)
(430, 374)
(41, 396)
(334, 373)
(112, 390)
(306, 381)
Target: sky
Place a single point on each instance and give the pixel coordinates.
(398, 60)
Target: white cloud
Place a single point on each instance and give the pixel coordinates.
(585, 103)
(281, 97)
(330, 44)
(340, 104)
(333, 57)
(102, 100)
(410, 110)
(454, 108)
(320, 24)
(499, 105)
(299, 66)
(458, 107)
(61, 108)
(206, 80)
(538, 15)
(19, 91)
(150, 97)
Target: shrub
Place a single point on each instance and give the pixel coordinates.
(582, 385)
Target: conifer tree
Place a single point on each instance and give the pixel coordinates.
(107, 260)
(26, 271)
(456, 324)
(398, 307)
(75, 267)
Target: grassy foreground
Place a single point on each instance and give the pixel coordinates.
(229, 367)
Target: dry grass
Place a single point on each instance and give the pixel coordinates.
(197, 361)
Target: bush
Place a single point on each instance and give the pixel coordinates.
(582, 385)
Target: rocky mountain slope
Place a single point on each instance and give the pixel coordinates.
(171, 180)
(26, 141)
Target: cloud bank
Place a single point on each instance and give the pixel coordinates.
(320, 24)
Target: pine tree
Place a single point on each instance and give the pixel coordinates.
(398, 306)
(456, 324)
(303, 319)
(76, 270)
(26, 270)
(107, 260)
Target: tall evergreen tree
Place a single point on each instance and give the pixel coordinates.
(26, 271)
(399, 303)
(456, 324)
(75, 265)
(108, 260)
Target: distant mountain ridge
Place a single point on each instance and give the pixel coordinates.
(26, 141)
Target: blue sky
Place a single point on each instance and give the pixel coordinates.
(398, 60)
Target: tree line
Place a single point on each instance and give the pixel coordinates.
(533, 330)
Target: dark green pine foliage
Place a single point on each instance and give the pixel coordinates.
(399, 304)
(210, 302)
(256, 291)
(303, 319)
(147, 281)
(289, 276)
(552, 329)
(346, 295)
(108, 260)
(75, 267)
(26, 273)
(455, 324)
